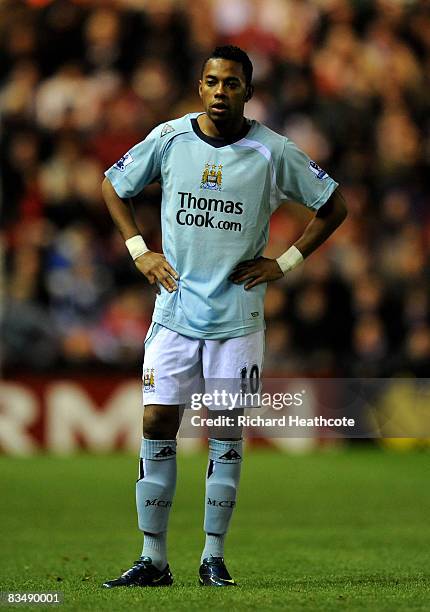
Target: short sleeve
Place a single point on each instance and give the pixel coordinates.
(139, 167)
(301, 179)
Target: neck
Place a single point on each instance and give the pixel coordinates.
(224, 129)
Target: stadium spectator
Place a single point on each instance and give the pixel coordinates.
(82, 81)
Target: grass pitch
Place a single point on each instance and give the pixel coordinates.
(327, 531)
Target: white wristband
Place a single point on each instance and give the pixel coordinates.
(136, 246)
(290, 259)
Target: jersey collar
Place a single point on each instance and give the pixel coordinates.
(218, 142)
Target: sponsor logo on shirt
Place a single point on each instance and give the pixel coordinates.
(124, 161)
(319, 172)
(190, 207)
(211, 177)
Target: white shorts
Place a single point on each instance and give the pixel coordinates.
(176, 366)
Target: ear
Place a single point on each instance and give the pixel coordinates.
(200, 88)
(249, 93)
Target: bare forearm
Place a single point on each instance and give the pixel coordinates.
(120, 211)
(323, 224)
(152, 265)
(261, 270)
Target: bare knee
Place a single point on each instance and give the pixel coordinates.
(160, 422)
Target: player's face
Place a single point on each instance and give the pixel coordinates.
(223, 90)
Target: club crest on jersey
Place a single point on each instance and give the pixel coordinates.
(124, 161)
(319, 172)
(148, 380)
(212, 177)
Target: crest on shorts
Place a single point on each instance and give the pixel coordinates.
(148, 380)
(212, 177)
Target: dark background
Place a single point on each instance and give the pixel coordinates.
(81, 82)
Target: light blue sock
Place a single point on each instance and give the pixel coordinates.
(222, 482)
(155, 489)
(155, 547)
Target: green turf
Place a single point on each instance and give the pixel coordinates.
(327, 531)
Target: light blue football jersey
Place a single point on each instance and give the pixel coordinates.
(215, 211)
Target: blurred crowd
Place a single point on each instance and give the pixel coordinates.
(83, 81)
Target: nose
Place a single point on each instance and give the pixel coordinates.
(219, 91)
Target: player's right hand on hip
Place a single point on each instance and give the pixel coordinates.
(157, 270)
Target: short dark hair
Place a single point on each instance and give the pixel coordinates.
(235, 54)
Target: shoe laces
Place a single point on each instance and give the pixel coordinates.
(215, 560)
(142, 562)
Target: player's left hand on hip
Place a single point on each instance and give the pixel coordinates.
(256, 271)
